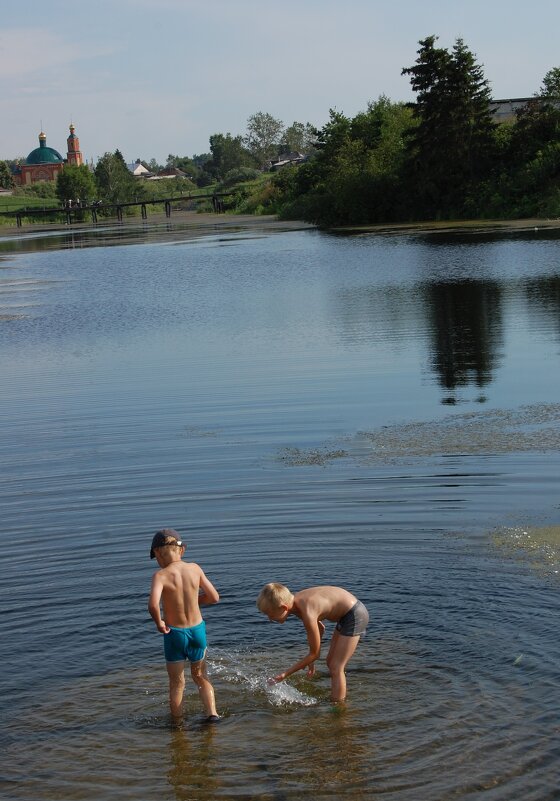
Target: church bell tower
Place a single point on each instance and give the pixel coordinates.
(74, 155)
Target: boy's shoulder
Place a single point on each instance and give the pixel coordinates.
(321, 598)
(307, 596)
(181, 565)
(186, 568)
(313, 592)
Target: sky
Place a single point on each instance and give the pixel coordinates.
(154, 77)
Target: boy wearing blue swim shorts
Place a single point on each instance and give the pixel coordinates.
(312, 606)
(178, 589)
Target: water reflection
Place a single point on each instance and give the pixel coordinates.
(465, 324)
(543, 295)
(193, 772)
(337, 756)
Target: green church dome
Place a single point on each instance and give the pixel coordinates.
(44, 154)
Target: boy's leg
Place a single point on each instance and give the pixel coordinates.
(340, 651)
(205, 689)
(176, 673)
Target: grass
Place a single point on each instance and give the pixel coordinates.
(17, 202)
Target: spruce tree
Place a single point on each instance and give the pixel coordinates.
(450, 149)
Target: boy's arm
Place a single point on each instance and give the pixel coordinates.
(314, 629)
(311, 667)
(154, 604)
(207, 593)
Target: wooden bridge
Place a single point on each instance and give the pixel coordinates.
(72, 212)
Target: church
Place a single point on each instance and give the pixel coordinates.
(45, 163)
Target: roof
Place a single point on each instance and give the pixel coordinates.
(506, 110)
(171, 172)
(137, 169)
(44, 154)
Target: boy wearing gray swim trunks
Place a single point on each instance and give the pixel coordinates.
(313, 606)
(178, 589)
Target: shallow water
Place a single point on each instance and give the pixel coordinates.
(379, 412)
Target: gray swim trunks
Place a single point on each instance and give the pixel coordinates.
(354, 622)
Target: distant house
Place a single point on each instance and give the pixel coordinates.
(506, 110)
(138, 169)
(170, 172)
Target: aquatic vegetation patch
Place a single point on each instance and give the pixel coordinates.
(529, 428)
(538, 546)
(10, 317)
(316, 456)
(533, 428)
(197, 432)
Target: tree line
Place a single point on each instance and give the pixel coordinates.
(233, 158)
(441, 157)
(230, 160)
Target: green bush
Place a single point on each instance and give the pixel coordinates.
(43, 189)
(238, 176)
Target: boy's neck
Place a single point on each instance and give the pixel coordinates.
(170, 559)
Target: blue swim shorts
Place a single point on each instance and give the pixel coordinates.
(181, 644)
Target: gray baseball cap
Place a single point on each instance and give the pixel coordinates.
(167, 536)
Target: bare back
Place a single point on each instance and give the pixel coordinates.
(180, 585)
(323, 603)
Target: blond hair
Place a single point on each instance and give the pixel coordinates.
(274, 595)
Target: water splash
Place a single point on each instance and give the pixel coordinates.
(234, 667)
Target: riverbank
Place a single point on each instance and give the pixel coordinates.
(452, 226)
(208, 222)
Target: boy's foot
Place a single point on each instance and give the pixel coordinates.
(212, 719)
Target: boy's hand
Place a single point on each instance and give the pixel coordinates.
(163, 627)
(276, 679)
(311, 670)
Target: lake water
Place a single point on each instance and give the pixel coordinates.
(376, 411)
